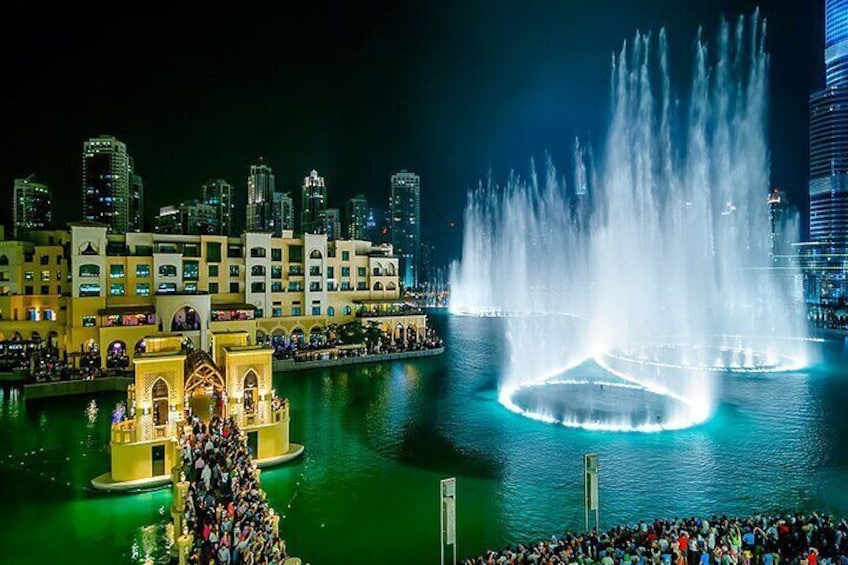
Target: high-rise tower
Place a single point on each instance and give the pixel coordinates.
(406, 224)
(106, 178)
(218, 193)
(260, 197)
(32, 207)
(314, 203)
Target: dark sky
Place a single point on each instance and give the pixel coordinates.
(355, 91)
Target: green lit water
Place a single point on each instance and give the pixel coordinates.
(378, 439)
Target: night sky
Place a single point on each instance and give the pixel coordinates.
(355, 91)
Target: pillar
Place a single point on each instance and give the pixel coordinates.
(184, 547)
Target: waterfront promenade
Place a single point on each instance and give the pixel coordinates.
(791, 539)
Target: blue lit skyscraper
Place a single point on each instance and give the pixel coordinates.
(829, 136)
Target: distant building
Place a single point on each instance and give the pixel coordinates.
(406, 224)
(332, 223)
(106, 177)
(32, 206)
(356, 216)
(189, 218)
(372, 230)
(283, 213)
(313, 203)
(260, 198)
(136, 203)
(779, 215)
(218, 193)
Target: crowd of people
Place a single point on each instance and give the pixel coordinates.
(795, 539)
(334, 348)
(47, 367)
(225, 509)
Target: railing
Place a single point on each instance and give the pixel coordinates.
(124, 432)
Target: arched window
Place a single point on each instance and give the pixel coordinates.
(347, 310)
(160, 402)
(89, 271)
(378, 286)
(391, 286)
(185, 319)
(251, 392)
(390, 270)
(4, 260)
(315, 254)
(167, 270)
(88, 248)
(261, 337)
(331, 311)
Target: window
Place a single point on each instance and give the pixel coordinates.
(257, 287)
(190, 287)
(257, 271)
(50, 315)
(234, 270)
(276, 312)
(295, 253)
(58, 290)
(233, 251)
(44, 259)
(361, 285)
(331, 271)
(347, 310)
(331, 286)
(276, 254)
(45, 289)
(295, 286)
(257, 252)
(213, 270)
(314, 271)
(315, 286)
(296, 311)
(296, 270)
(213, 253)
(89, 289)
(276, 286)
(116, 289)
(142, 271)
(167, 288)
(28, 276)
(142, 289)
(59, 275)
(167, 270)
(234, 287)
(345, 285)
(89, 271)
(257, 313)
(190, 250)
(28, 290)
(345, 271)
(191, 270)
(89, 321)
(58, 259)
(116, 271)
(316, 310)
(315, 254)
(276, 272)
(378, 286)
(45, 276)
(345, 255)
(4, 260)
(331, 311)
(213, 288)
(361, 271)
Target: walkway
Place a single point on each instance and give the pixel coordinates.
(219, 510)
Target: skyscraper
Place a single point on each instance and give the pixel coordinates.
(313, 203)
(828, 138)
(218, 193)
(356, 216)
(332, 220)
(283, 213)
(406, 224)
(106, 171)
(136, 202)
(191, 217)
(32, 206)
(260, 197)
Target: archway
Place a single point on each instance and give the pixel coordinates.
(251, 392)
(316, 335)
(378, 285)
(204, 386)
(160, 402)
(412, 333)
(116, 355)
(186, 319)
(399, 332)
(261, 337)
(297, 336)
(16, 336)
(140, 346)
(53, 340)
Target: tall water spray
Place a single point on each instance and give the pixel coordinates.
(654, 265)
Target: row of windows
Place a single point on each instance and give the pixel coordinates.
(43, 259)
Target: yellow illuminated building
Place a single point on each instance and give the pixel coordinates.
(173, 384)
(83, 290)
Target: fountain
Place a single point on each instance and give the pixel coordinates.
(629, 288)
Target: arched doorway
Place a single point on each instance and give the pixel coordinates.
(53, 340)
(412, 333)
(204, 387)
(140, 347)
(186, 319)
(261, 337)
(297, 336)
(315, 335)
(251, 392)
(160, 402)
(399, 332)
(116, 355)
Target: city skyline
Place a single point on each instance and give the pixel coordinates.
(450, 129)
